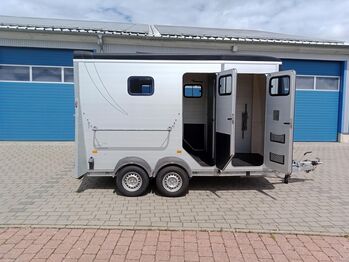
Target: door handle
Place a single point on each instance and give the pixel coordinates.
(231, 119)
(288, 124)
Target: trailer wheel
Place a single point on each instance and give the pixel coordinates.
(172, 181)
(132, 181)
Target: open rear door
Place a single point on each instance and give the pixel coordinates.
(225, 117)
(278, 141)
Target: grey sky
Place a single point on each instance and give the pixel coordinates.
(327, 19)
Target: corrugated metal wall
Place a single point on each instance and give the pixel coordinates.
(316, 112)
(33, 111)
(36, 111)
(36, 56)
(316, 116)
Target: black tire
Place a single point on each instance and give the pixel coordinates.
(176, 173)
(135, 176)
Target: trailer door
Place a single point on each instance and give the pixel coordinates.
(225, 117)
(278, 139)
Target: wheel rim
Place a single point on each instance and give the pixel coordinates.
(172, 182)
(132, 181)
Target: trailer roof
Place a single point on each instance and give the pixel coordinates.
(111, 56)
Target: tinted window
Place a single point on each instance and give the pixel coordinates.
(225, 85)
(140, 85)
(279, 86)
(305, 82)
(47, 74)
(192, 90)
(68, 75)
(327, 83)
(14, 73)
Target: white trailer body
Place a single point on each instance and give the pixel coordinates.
(207, 115)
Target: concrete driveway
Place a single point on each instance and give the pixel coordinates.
(37, 189)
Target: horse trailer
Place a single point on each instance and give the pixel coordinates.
(172, 117)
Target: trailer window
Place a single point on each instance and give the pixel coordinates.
(140, 85)
(192, 91)
(225, 85)
(279, 86)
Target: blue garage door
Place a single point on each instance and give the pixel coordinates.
(317, 99)
(36, 94)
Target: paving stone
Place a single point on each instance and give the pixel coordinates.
(41, 191)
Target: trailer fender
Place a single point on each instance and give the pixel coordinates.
(166, 161)
(133, 160)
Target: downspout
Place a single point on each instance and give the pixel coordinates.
(344, 131)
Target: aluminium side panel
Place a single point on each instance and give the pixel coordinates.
(81, 167)
(110, 116)
(105, 104)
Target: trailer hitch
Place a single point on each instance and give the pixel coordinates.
(303, 165)
(306, 165)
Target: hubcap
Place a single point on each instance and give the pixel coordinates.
(132, 181)
(172, 182)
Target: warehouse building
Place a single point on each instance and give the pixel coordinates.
(36, 70)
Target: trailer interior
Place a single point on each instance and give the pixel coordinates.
(200, 138)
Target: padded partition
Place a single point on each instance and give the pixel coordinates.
(223, 149)
(249, 159)
(194, 136)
